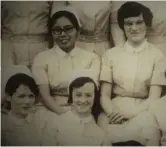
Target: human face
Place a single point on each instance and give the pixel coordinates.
(22, 101)
(135, 29)
(65, 39)
(83, 98)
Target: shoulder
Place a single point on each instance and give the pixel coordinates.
(86, 54)
(5, 121)
(44, 54)
(155, 51)
(113, 52)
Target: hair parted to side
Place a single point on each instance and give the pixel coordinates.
(79, 82)
(132, 9)
(21, 79)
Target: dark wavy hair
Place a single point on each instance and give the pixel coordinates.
(57, 15)
(79, 82)
(132, 9)
(20, 79)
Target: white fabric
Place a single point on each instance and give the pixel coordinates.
(34, 130)
(75, 131)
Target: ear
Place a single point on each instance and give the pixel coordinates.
(8, 97)
(78, 33)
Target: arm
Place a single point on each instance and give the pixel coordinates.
(106, 83)
(105, 100)
(154, 93)
(95, 67)
(48, 100)
(158, 79)
(39, 70)
(117, 34)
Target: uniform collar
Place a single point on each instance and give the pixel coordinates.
(138, 49)
(73, 53)
(87, 120)
(20, 121)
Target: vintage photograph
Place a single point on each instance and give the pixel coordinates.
(83, 73)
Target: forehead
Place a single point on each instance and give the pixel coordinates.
(87, 87)
(62, 21)
(134, 18)
(23, 89)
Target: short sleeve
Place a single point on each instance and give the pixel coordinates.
(159, 69)
(95, 67)
(39, 69)
(106, 68)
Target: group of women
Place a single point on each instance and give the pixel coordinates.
(86, 100)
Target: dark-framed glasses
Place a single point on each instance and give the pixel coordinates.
(57, 30)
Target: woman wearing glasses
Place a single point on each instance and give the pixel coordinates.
(135, 73)
(52, 68)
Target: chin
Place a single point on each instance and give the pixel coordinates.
(82, 111)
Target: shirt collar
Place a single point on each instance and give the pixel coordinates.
(73, 53)
(86, 120)
(138, 49)
(20, 121)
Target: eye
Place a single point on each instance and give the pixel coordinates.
(68, 28)
(22, 96)
(140, 22)
(31, 96)
(78, 94)
(128, 23)
(56, 30)
(88, 95)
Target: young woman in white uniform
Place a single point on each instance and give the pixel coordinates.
(135, 73)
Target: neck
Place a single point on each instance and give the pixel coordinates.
(135, 44)
(68, 50)
(82, 115)
(18, 115)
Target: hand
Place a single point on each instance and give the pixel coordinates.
(117, 118)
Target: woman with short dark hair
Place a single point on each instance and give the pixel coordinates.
(25, 124)
(78, 125)
(52, 69)
(134, 72)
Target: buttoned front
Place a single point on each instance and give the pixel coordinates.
(72, 130)
(31, 131)
(55, 67)
(155, 34)
(133, 71)
(95, 25)
(24, 27)
(21, 18)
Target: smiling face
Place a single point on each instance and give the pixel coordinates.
(22, 101)
(135, 29)
(64, 33)
(83, 98)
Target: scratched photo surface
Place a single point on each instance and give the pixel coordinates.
(83, 73)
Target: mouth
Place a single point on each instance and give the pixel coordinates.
(83, 105)
(135, 33)
(64, 41)
(26, 107)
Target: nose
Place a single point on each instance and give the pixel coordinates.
(82, 100)
(27, 100)
(63, 33)
(134, 27)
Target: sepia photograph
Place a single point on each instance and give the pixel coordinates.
(83, 73)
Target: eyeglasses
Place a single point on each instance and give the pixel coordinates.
(58, 30)
(130, 23)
